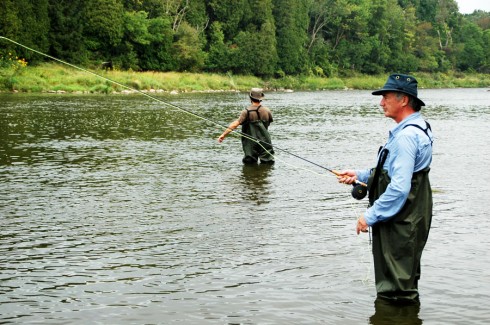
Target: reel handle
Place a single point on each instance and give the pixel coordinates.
(359, 190)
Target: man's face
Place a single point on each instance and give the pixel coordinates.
(392, 105)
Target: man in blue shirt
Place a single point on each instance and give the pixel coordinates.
(400, 196)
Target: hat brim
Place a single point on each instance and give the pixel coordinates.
(385, 90)
(256, 97)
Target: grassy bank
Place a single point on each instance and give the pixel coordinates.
(59, 78)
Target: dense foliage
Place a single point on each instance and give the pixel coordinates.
(260, 37)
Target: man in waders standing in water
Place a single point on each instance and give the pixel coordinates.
(400, 195)
(255, 121)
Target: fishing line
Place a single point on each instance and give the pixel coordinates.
(113, 81)
(362, 248)
(184, 110)
(199, 117)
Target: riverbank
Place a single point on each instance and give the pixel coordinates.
(58, 78)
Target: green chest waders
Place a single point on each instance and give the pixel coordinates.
(399, 241)
(257, 130)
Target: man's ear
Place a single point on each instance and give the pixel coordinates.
(405, 100)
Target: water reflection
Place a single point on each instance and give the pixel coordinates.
(255, 182)
(387, 313)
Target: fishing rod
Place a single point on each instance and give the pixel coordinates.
(359, 191)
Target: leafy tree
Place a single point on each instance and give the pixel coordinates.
(27, 22)
(481, 18)
(146, 44)
(188, 49)
(261, 37)
(325, 33)
(230, 14)
(291, 19)
(265, 57)
(10, 24)
(104, 27)
(348, 34)
(319, 59)
(472, 56)
(66, 30)
(254, 50)
(254, 53)
(196, 15)
(401, 40)
(36, 24)
(384, 32)
(446, 20)
(425, 9)
(218, 53)
(158, 55)
(136, 37)
(176, 10)
(486, 50)
(426, 49)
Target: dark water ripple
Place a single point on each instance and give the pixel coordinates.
(117, 210)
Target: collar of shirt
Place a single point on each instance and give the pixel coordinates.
(411, 119)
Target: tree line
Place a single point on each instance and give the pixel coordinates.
(266, 38)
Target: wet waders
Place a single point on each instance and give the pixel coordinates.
(258, 130)
(398, 242)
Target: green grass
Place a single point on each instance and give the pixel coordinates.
(366, 82)
(56, 77)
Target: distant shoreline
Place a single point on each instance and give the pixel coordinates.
(58, 79)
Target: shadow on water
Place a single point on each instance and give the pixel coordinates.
(387, 313)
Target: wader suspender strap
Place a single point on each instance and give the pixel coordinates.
(383, 154)
(425, 130)
(253, 110)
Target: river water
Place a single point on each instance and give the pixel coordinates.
(120, 209)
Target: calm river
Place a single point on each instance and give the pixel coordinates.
(121, 210)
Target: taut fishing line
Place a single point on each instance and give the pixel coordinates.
(186, 111)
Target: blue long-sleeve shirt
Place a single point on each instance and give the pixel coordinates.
(410, 150)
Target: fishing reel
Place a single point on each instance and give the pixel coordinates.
(359, 191)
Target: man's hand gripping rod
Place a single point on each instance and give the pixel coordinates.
(359, 190)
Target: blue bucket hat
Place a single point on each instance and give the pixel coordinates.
(400, 83)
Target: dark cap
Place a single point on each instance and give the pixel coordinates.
(400, 83)
(257, 94)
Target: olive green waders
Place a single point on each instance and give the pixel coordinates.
(399, 241)
(253, 150)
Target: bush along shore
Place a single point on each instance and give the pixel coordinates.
(57, 78)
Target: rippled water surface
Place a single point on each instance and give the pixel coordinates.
(121, 210)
